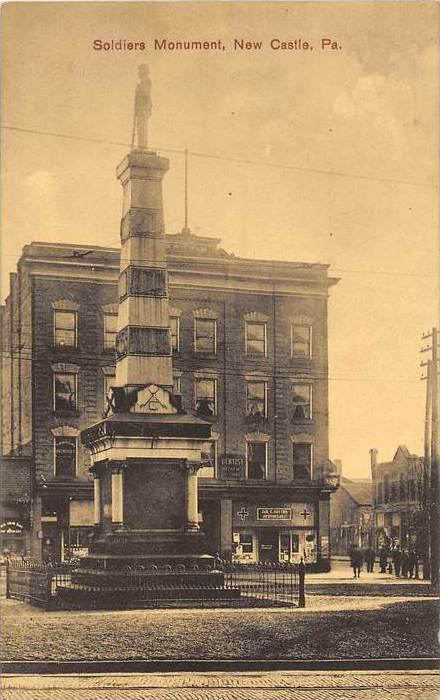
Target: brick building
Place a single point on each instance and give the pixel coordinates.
(400, 514)
(351, 515)
(249, 342)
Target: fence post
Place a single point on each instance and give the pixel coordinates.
(49, 576)
(301, 586)
(8, 583)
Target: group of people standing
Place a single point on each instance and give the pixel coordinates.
(403, 562)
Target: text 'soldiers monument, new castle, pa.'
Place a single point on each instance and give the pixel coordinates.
(146, 451)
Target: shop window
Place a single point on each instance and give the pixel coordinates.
(256, 399)
(302, 461)
(247, 543)
(209, 458)
(205, 336)
(64, 328)
(175, 333)
(110, 331)
(206, 397)
(301, 401)
(64, 392)
(255, 338)
(65, 457)
(256, 460)
(301, 341)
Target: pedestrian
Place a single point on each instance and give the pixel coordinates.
(413, 566)
(383, 557)
(370, 556)
(405, 563)
(397, 560)
(356, 561)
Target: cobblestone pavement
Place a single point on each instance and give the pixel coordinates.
(278, 685)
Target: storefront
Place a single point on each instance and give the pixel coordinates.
(284, 533)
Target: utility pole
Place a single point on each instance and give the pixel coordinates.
(432, 392)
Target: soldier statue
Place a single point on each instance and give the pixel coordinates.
(142, 107)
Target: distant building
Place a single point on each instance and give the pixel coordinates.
(399, 508)
(249, 341)
(351, 515)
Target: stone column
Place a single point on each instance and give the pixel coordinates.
(36, 530)
(226, 527)
(118, 494)
(97, 499)
(192, 498)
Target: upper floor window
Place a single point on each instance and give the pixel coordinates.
(256, 398)
(380, 492)
(65, 328)
(177, 388)
(256, 460)
(302, 401)
(64, 391)
(205, 336)
(386, 488)
(301, 341)
(175, 333)
(110, 331)
(209, 457)
(256, 338)
(65, 456)
(206, 397)
(402, 488)
(302, 461)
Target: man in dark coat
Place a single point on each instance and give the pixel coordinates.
(356, 561)
(397, 560)
(413, 564)
(370, 556)
(383, 556)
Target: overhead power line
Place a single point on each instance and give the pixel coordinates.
(230, 159)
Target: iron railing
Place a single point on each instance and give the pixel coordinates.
(52, 585)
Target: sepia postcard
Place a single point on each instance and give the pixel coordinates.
(219, 349)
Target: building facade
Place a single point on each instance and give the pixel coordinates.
(400, 511)
(249, 342)
(351, 516)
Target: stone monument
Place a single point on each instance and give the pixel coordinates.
(146, 451)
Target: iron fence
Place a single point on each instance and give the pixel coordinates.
(281, 584)
(66, 585)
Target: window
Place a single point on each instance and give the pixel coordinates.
(205, 336)
(209, 457)
(386, 488)
(64, 328)
(175, 333)
(109, 381)
(255, 338)
(64, 390)
(302, 461)
(256, 453)
(302, 401)
(110, 330)
(247, 543)
(301, 341)
(256, 402)
(402, 488)
(380, 493)
(65, 457)
(176, 384)
(206, 397)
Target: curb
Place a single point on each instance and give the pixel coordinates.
(233, 665)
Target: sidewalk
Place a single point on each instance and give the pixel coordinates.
(279, 685)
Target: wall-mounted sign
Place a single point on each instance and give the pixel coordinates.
(274, 514)
(11, 527)
(232, 466)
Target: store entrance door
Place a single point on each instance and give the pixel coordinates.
(268, 545)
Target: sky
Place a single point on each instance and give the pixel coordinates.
(318, 155)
